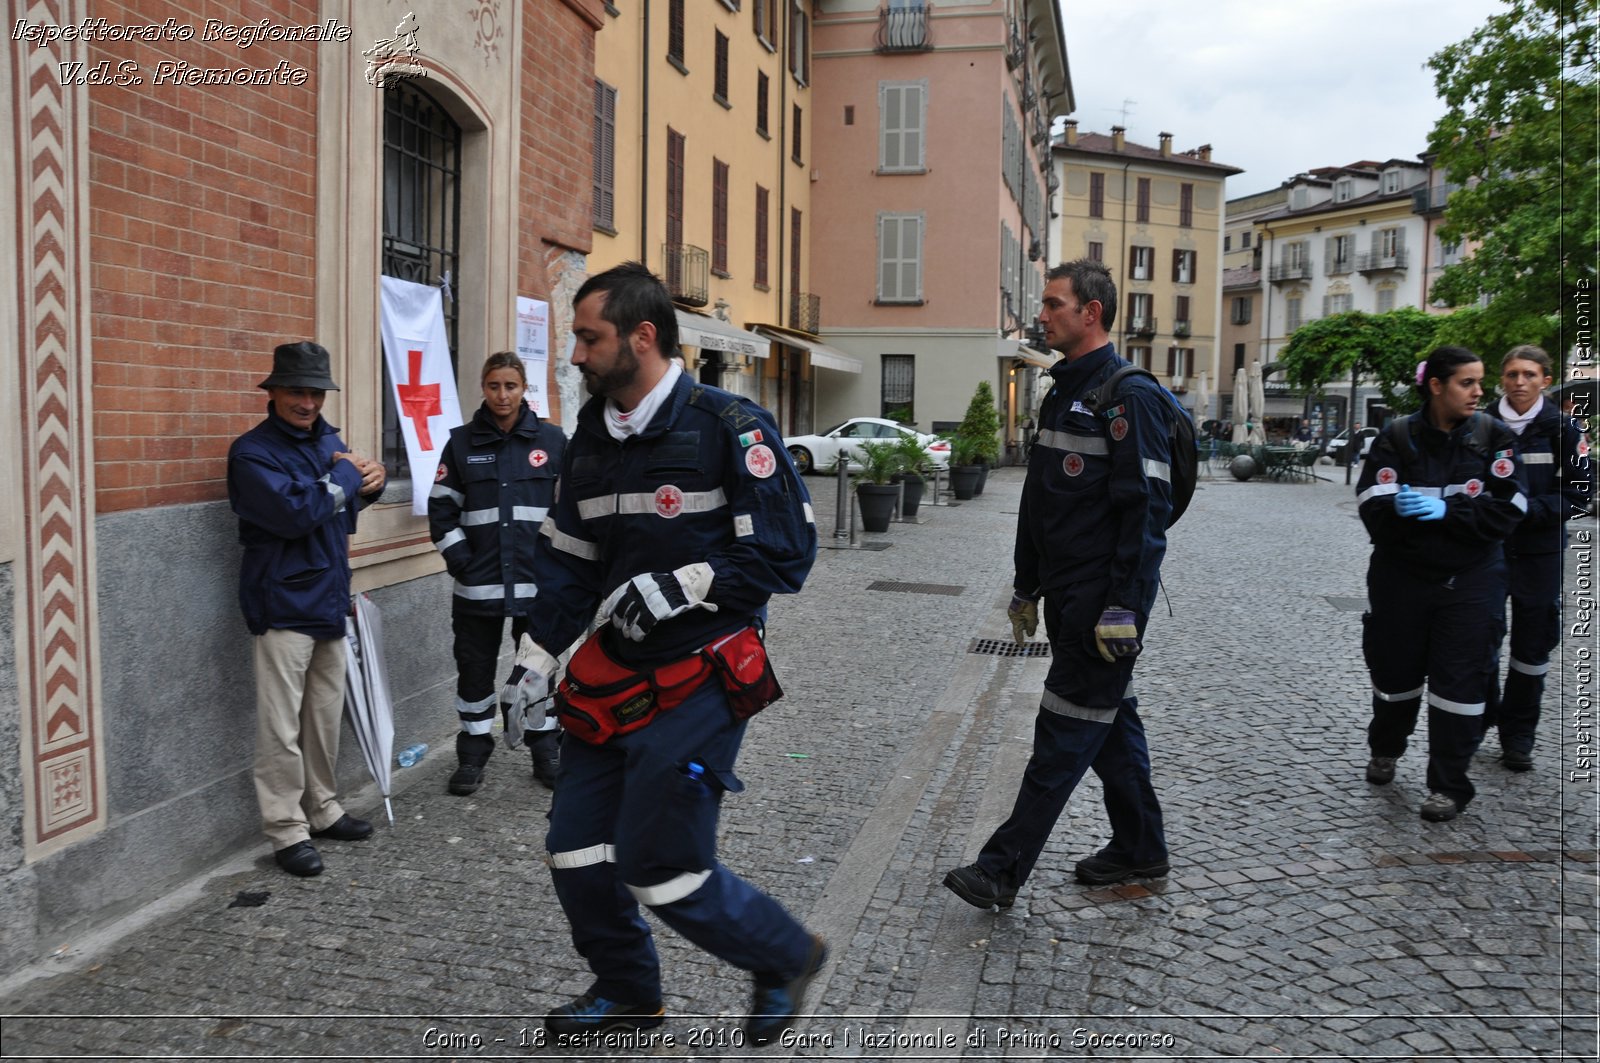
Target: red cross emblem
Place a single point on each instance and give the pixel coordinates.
(760, 460)
(419, 401)
(440, 474)
(1387, 475)
(1119, 428)
(1503, 467)
(538, 458)
(1474, 488)
(1072, 464)
(669, 501)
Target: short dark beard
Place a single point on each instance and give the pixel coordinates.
(618, 377)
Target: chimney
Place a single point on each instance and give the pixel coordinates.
(1204, 151)
(1072, 133)
(1166, 145)
(1117, 137)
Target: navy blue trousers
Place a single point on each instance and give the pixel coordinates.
(1086, 721)
(630, 826)
(1535, 584)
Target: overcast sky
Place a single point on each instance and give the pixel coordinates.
(1275, 87)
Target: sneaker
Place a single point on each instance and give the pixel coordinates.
(773, 1007)
(1102, 870)
(545, 748)
(466, 779)
(593, 1014)
(1380, 770)
(979, 888)
(1516, 760)
(1439, 807)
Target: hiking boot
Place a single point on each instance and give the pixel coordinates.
(773, 1008)
(1516, 760)
(545, 747)
(472, 755)
(1380, 770)
(979, 888)
(466, 779)
(1439, 807)
(1102, 870)
(593, 1014)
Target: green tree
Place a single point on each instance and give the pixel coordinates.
(1519, 138)
(981, 425)
(1384, 348)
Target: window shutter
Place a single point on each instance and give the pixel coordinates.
(719, 215)
(605, 126)
(1399, 241)
(675, 29)
(1327, 254)
(913, 108)
(888, 257)
(762, 224)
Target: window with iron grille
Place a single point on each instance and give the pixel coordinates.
(675, 33)
(1142, 206)
(763, 93)
(719, 217)
(421, 220)
(1186, 205)
(1097, 195)
(719, 90)
(605, 155)
(899, 385)
(798, 140)
(762, 224)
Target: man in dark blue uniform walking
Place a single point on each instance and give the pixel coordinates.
(679, 515)
(1090, 539)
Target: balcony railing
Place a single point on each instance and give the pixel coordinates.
(1430, 200)
(903, 29)
(1377, 261)
(687, 272)
(1300, 271)
(805, 311)
(1142, 326)
(1180, 329)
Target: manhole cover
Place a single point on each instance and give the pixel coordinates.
(1347, 605)
(1008, 648)
(914, 588)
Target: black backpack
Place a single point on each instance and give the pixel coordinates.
(1185, 461)
(1402, 435)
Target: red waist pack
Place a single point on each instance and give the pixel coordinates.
(600, 698)
(741, 660)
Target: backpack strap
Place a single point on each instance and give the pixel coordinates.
(1106, 391)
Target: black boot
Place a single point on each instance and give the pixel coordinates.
(472, 751)
(546, 749)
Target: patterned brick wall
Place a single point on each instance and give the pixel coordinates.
(558, 131)
(202, 237)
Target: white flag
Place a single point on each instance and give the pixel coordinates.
(418, 355)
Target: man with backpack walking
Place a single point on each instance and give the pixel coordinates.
(1090, 538)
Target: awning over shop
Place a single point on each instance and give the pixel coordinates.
(713, 334)
(822, 356)
(1031, 355)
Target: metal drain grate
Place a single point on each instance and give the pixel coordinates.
(874, 546)
(1347, 605)
(914, 588)
(1008, 648)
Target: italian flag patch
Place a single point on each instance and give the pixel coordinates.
(750, 439)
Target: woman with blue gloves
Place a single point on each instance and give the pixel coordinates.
(1439, 493)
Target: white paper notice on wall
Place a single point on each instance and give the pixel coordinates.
(417, 352)
(533, 347)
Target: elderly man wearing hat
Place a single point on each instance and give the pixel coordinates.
(296, 488)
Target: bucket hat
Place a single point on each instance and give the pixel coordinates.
(300, 365)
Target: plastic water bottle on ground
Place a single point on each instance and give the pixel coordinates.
(411, 754)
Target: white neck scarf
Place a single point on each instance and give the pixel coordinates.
(622, 425)
(1518, 421)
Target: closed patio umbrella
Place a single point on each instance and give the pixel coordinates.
(1241, 406)
(366, 693)
(1258, 404)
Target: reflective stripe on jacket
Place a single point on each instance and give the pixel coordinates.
(1560, 481)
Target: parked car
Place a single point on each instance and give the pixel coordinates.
(819, 452)
(1336, 448)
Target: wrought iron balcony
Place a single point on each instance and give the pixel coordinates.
(1430, 200)
(805, 311)
(687, 272)
(1142, 326)
(1300, 271)
(1377, 261)
(1180, 329)
(903, 29)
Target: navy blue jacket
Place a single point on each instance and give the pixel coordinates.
(1099, 487)
(707, 481)
(1555, 459)
(297, 510)
(492, 492)
(1485, 495)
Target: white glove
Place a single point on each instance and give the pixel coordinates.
(526, 690)
(651, 597)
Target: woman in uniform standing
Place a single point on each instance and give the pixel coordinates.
(1439, 493)
(496, 481)
(1555, 460)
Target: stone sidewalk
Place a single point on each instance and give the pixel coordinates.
(1308, 914)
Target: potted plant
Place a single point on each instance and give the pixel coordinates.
(981, 425)
(964, 468)
(913, 462)
(875, 489)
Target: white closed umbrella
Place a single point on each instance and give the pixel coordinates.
(1258, 405)
(366, 694)
(1241, 405)
(1202, 399)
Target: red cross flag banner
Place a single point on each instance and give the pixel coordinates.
(418, 356)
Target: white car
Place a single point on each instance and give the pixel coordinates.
(819, 452)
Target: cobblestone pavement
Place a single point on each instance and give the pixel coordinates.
(1307, 915)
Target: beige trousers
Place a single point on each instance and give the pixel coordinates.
(299, 697)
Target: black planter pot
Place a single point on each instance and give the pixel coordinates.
(983, 478)
(877, 503)
(964, 480)
(911, 501)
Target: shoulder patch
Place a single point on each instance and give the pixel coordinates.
(1116, 411)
